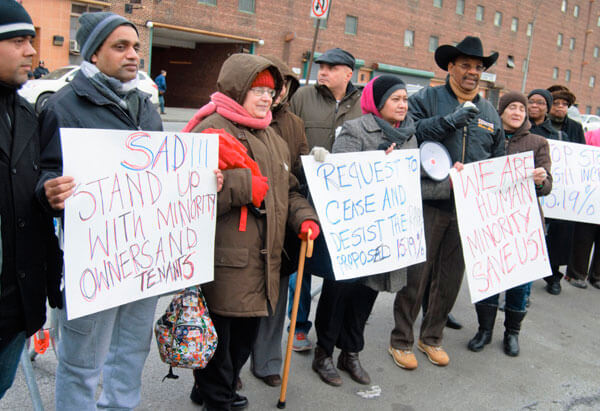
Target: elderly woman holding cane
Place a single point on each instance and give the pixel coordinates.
(259, 197)
(513, 112)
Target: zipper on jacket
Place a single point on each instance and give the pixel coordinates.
(464, 141)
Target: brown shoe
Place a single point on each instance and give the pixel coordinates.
(348, 361)
(323, 365)
(436, 355)
(404, 358)
(272, 380)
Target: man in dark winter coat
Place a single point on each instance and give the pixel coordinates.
(41, 70)
(103, 94)
(30, 260)
(455, 115)
(559, 236)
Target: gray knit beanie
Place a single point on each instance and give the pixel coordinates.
(95, 28)
(14, 20)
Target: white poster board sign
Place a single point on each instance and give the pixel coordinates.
(575, 192)
(369, 206)
(500, 226)
(142, 219)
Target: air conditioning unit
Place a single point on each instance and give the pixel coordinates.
(73, 47)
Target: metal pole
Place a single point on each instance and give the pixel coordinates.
(529, 47)
(150, 50)
(34, 392)
(312, 51)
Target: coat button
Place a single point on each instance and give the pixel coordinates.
(13, 170)
(22, 274)
(35, 166)
(21, 223)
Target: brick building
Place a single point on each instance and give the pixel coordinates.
(191, 38)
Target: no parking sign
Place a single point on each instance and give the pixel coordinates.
(320, 9)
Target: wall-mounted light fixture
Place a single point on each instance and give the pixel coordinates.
(58, 40)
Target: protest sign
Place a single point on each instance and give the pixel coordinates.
(369, 206)
(141, 221)
(575, 192)
(500, 225)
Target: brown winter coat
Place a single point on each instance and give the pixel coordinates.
(247, 263)
(317, 107)
(521, 141)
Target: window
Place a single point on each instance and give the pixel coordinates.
(571, 43)
(598, 111)
(460, 7)
(246, 5)
(351, 25)
(567, 75)
(209, 2)
(563, 6)
(498, 19)
(76, 11)
(555, 73)
(510, 62)
(437, 3)
(596, 52)
(598, 22)
(433, 43)
(514, 24)
(409, 38)
(592, 82)
(588, 109)
(576, 11)
(479, 13)
(559, 40)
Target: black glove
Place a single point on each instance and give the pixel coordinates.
(462, 115)
(54, 267)
(55, 298)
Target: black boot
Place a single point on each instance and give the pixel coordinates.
(512, 325)
(486, 315)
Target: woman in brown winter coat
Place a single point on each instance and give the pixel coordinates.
(513, 112)
(252, 213)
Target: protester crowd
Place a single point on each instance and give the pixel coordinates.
(264, 210)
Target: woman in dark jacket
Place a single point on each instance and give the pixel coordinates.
(344, 307)
(513, 112)
(258, 199)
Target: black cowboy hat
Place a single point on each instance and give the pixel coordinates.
(470, 47)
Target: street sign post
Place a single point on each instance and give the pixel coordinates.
(320, 9)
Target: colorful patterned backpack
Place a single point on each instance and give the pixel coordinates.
(185, 334)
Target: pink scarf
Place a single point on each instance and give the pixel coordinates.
(367, 102)
(231, 110)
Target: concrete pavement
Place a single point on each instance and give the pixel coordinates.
(557, 370)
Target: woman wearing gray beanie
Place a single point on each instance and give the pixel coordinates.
(513, 112)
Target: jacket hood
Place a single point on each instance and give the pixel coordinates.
(239, 71)
(289, 77)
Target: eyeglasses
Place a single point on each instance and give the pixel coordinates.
(468, 67)
(560, 103)
(537, 102)
(260, 91)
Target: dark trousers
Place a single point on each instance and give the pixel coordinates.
(342, 314)
(216, 382)
(588, 236)
(516, 298)
(443, 270)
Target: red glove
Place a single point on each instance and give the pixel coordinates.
(260, 186)
(314, 227)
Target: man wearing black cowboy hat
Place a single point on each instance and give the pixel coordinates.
(455, 115)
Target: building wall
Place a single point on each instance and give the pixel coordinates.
(381, 28)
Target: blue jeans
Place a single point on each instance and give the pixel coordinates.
(161, 102)
(302, 323)
(515, 298)
(114, 343)
(9, 361)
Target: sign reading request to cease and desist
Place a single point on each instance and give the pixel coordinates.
(141, 221)
(369, 207)
(500, 225)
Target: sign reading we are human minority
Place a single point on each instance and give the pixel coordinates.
(500, 226)
(141, 221)
(369, 206)
(575, 192)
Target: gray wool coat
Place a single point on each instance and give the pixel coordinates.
(364, 134)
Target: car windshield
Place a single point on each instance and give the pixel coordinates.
(56, 74)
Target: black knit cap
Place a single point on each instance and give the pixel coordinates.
(544, 93)
(95, 28)
(14, 20)
(384, 86)
(510, 97)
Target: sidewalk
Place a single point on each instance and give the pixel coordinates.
(178, 114)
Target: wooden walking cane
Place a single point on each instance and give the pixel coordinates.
(306, 250)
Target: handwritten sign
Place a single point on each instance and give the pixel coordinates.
(500, 226)
(369, 205)
(575, 192)
(142, 219)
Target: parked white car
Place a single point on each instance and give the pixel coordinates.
(37, 91)
(590, 122)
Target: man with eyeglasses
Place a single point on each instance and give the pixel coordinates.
(455, 115)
